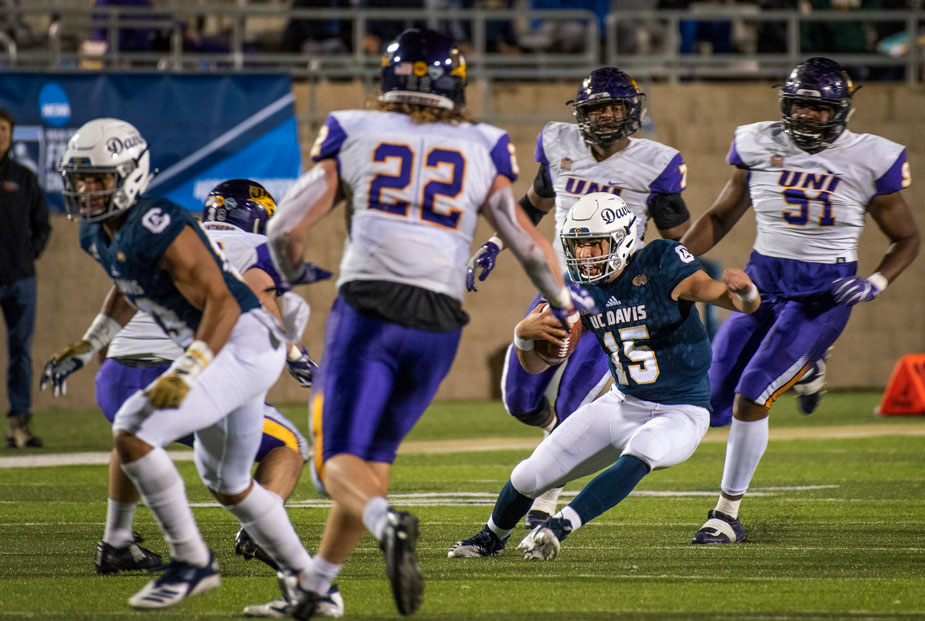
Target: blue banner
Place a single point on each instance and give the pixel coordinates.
(201, 129)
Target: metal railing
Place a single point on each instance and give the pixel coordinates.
(70, 27)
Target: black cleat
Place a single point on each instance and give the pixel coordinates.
(248, 548)
(401, 562)
(483, 543)
(535, 518)
(111, 560)
(720, 528)
(811, 387)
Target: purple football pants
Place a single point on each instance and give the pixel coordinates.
(376, 379)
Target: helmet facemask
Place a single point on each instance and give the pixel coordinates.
(602, 220)
(96, 205)
(813, 135)
(602, 129)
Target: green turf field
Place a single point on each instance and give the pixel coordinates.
(835, 520)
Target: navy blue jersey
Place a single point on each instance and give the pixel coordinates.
(132, 256)
(659, 351)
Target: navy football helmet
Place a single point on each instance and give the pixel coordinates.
(241, 203)
(813, 83)
(424, 67)
(605, 87)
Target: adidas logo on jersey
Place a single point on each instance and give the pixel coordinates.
(613, 301)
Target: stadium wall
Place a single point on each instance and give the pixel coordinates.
(698, 119)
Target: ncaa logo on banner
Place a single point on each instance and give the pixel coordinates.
(54, 105)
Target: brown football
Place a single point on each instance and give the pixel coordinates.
(552, 353)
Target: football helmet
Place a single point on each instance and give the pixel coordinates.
(816, 82)
(608, 86)
(104, 147)
(598, 216)
(242, 203)
(426, 68)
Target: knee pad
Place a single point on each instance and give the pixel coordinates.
(536, 417)
(524, 479)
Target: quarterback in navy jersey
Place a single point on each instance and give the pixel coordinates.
(657, 411)
(599, 153)
(161, 261)
(811, 183)
(418, 175)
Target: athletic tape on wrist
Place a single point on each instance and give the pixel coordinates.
(101, 331)
(522, 344)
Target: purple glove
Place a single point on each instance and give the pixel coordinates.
(311, 273)
(581, 302)
(301, 367)
(484, 259)
(850, 290)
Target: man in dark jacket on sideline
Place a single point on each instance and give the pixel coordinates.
(23, 236)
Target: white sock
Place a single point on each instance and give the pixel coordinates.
(729, 507)
(161, 486)
(747, 443)
(320, 575)
(262, 514)
(501, 532)
(571, 515)
(547, 501)
(374, 516)
(119, 519)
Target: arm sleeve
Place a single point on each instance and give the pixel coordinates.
(542, 185)
(668, 210)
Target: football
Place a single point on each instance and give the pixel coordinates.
(552, 353)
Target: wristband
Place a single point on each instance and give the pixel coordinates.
(523, 344)
(750, 296)
(101, 331)
(497, 241)
(878, 280)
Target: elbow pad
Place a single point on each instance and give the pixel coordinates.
(668, 210)
(532, 212)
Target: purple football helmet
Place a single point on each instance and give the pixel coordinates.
(814, 83)
(240, 203)
(608, 86)
(424, 67)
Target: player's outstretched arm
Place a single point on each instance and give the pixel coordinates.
(735, 292)
(728, 208)
(893, 216)
(115, 313)
(312, 196)
(483, 260)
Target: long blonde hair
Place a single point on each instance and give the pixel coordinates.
(422, 114)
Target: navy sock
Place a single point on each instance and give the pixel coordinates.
(510, 507)
(608, 488)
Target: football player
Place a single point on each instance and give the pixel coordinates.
(657, 410)
(811, 183)
(162, 262)
(235, 217)
(418, 174)
(596, 154)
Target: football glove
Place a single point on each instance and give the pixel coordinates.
(484, 260)
(581, 302)
(310, 274)
(850, 290)
(301, 366)
(63, 363)
(170, 389)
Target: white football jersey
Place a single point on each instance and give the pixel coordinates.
(415, 193)
(643, 168)
(143, 338)
(811, 207)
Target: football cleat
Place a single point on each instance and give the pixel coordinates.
(720, 528)
(331, 605)
(179, 581)
(544, 540)
(399, 545)
(483, 543)
(535, 518)
(112, 560)
(248, 548)
(811, 387)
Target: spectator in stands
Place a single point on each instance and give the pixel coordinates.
(13, 24)
(500, 35)
(142, 38)
(23, 236)
(839, 37)
(567, 35)
(318, 36)
(717, 34)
